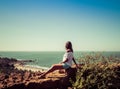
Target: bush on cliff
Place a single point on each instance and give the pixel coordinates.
(104, 74)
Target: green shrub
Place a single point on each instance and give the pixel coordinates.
(98, 75)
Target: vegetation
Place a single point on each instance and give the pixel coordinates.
(98, 72)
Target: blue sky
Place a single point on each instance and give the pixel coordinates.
(45, 25)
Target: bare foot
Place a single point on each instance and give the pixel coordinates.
(42, 76)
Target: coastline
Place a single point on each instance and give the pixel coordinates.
(20, 66)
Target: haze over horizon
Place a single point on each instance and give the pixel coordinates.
(46, 25)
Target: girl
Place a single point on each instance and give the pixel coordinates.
(67, 60)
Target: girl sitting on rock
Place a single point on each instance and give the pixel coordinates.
(66, 62)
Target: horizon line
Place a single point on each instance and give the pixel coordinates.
(60, 51)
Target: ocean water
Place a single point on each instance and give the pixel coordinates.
(46, 59)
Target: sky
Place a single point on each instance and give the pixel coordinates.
(46, 25)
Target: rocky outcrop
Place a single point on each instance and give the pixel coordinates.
(11, 78)
(6, 64)
(29, 80)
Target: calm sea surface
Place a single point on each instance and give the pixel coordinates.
(46, 59)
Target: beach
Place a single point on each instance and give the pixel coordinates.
(28, 68)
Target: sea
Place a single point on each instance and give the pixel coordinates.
(47, 58)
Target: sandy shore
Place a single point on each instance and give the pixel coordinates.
(28, 68)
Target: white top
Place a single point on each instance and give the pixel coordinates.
(69, 56)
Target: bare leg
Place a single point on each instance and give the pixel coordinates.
(53, 68)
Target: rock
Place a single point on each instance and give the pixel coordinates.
(65, 81)
(27, 75)
(17, 86)
(11, 78)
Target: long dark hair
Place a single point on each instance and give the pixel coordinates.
(68, 45)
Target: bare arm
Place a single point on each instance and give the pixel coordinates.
(75, 62)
